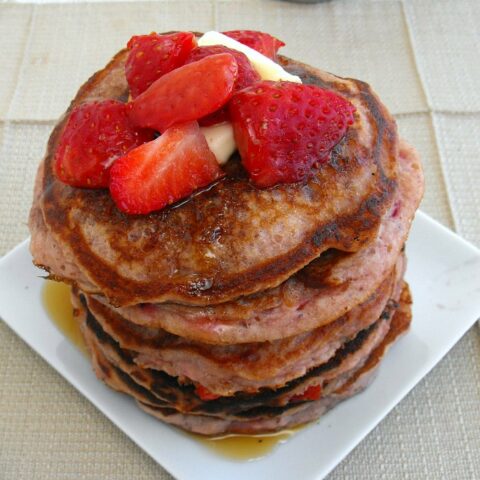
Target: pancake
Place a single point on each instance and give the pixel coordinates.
(287, 417)
(229, 240)
(267, 417)
(318, 294)
(225, 369)
(331, 375)
(179, 394)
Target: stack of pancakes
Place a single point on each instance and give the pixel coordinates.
(241, 310)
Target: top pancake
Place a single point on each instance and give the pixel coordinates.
(332, 284)
(228, 240)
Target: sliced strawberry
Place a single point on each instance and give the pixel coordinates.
(264, 43)
(163, 171)
(187, 93)
(247, 75)
(219, 116)
(313, 392)
(154, 55)
(95, 135)
(205, 394)
(284, 129)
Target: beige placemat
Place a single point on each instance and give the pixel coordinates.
(422, 58)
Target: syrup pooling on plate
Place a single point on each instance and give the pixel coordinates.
(57, 303)
(247, 447)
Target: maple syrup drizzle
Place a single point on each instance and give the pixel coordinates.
(57, 303)
(247, 447)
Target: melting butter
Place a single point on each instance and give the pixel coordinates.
(266, 67)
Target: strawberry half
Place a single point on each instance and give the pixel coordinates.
(187, 93)
(247, 75)
(95, 135)
(283, 129)
(152, 56)
(264, 43)
(163, 171)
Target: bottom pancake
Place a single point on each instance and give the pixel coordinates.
(175, 402)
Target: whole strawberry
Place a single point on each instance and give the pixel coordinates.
(247, 75)
(151, 56)
(283, 129)
(95, 135)
(262, 42)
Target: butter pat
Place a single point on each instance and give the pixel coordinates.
(267, 68)
(220, 140)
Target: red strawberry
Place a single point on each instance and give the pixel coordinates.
(152, 56)
(219, 116)
(311, 393)
(164, 171)
(187, 93)
(261, 42)
(283, 129)
(95, 135)
(205, 394)
(247, 75)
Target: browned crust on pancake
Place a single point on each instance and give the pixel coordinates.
(209, 282)
(331, 374)
(319, 293)
(226, 369)
(262, 418)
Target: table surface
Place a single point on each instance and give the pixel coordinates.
(420, 56)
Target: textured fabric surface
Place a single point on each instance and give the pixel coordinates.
(421, 56)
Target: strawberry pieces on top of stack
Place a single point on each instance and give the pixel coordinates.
(283, 130)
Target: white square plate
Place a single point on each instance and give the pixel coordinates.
(444, 276)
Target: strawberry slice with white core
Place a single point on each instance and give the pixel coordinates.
(187, 93)
(163, 171)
